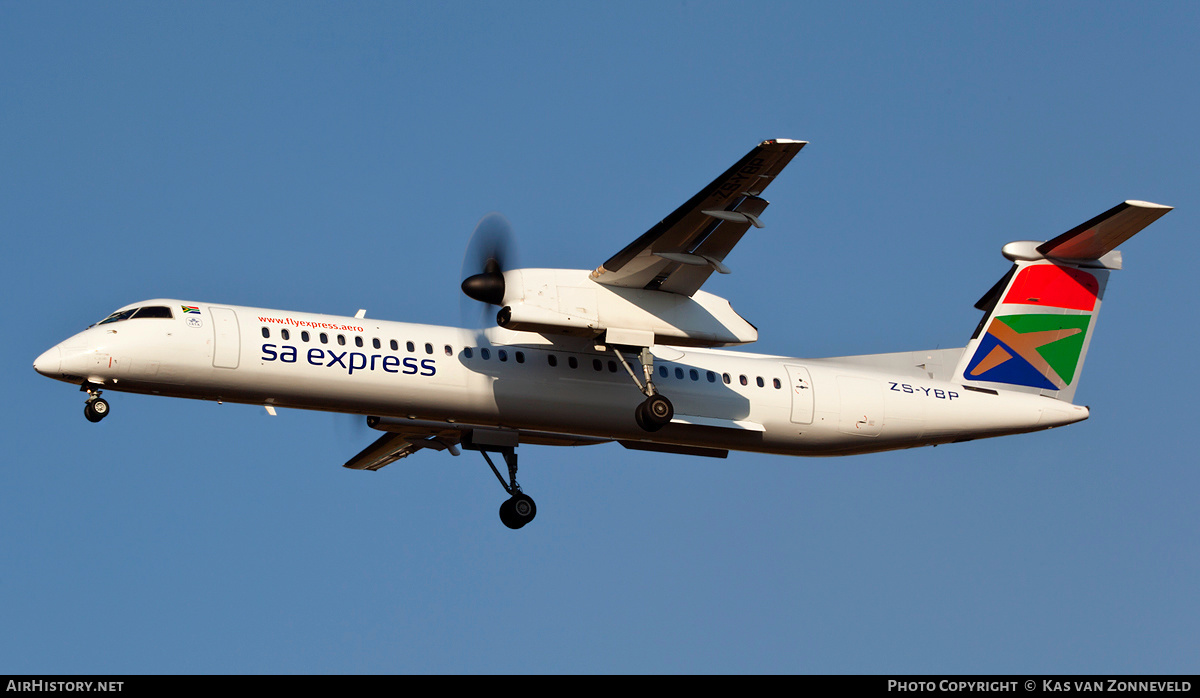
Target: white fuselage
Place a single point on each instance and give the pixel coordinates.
(723, 399)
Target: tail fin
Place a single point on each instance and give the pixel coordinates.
(1038, 319)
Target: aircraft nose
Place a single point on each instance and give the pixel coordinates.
(49, 362)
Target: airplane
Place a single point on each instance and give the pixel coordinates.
(632, 352)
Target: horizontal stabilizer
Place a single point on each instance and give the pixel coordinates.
(1105, 232)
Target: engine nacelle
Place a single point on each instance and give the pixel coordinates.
(569, 302)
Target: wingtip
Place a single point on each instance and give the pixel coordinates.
(1148, 204)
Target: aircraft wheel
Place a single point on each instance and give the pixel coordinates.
(95, 410)
(655, 413)
(639, 415)
(517, 511)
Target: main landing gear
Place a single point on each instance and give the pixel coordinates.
(518, 509)
(656, 411)
(96, 407)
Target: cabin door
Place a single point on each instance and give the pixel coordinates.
(802, 394)
(227, 342)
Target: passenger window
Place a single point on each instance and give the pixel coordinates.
(598, 364)
(712, 377)
(725, 377)
(760, 381)
(324, 338)
(502, 355)
(679, 373)
(394, 345)
(520, 357)
(552, 360)
(449, 350)
(358, 341)
(612, 366)
(662, 371)
(342, 339)
(467, 352)
(778, 385)
(266, 333)
(304, 336)
(485, 354)
(412, 347)
(572, 362)
(285, 334)
(743, 381)
(428, 348)
(694, 374)
(376, 343)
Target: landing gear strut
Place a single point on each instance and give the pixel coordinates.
(656, 411)
(518, 509)
(96, 407)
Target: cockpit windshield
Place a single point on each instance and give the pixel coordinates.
(150, 311)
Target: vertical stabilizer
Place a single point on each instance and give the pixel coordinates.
(1040, 317)
(1037, 330)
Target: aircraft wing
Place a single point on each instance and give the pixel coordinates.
(404, 437)
(393, 446)
(686, 247)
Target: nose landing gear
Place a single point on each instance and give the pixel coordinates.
(95, 410)
(96, 407)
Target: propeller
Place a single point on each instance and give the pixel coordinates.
(353, 429)
(489, 253)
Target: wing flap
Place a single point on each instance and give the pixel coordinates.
(706, 227)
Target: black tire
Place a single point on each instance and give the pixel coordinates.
(655, 413)
(523, 507)
(507, 517)
(518, 510)
(95, 410)
(639, 415)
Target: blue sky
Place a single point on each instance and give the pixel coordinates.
(332, 156)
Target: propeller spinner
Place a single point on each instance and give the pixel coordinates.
(488, 254)
(487, 287)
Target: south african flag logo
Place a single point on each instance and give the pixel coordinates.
(194, 309)
(1040, 351)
